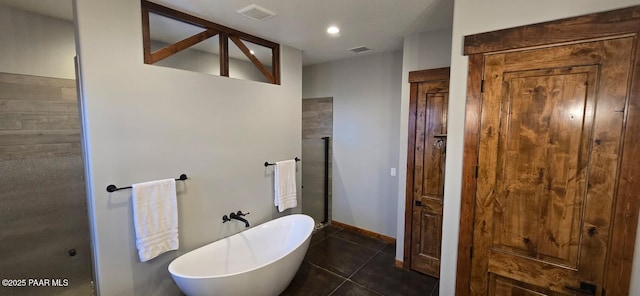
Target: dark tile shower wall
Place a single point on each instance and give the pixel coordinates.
(43, 210)
(317, 122)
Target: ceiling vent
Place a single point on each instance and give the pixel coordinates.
(256, 12)
(360, 49)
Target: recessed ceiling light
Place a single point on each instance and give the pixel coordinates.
(333, 30)
(252, 52)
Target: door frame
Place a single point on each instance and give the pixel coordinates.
(415, 77)
(597, 26)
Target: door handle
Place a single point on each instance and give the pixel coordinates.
(418, 203)
(585, 288)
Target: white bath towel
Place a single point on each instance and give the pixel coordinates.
(155, 218)
(285, 185)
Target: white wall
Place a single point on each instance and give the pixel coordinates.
(366, 114)
(34, 44)
(144, 122)
(422, 51)
(471, 17)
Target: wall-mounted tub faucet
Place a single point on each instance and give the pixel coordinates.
(238, 216)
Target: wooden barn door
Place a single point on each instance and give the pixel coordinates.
(551, 133)
(429, 104)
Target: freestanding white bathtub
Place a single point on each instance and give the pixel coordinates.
(260, 261)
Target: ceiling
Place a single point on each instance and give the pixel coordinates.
(377, 24)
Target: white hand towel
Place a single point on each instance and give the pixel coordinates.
(285, 185)
(155, 218)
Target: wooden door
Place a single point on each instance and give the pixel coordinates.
(551, 133)
(428, 158)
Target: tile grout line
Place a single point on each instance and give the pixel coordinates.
(377, 252)
(348, 279)
(364, 287)
(434, 288)
(320, 267)
(359, 268)
(344, 280)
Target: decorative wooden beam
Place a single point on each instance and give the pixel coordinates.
(146, 35)
(179, 46)
(275, 64)
(224, 54)
(253, 59)
(196, 21)
(429, 75)
(211, 29)
(591, 26)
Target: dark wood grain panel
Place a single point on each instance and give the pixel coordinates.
(625, 219)
(426, 257)
(469, 165)
(545, 159)
(434, 148)
(419, 154)
(408, 212)
(275, 65)
(429, 75)
(428, 104)
(429, 234)
(224, 54)
(548, 163)
(486, 180)
(531, 273)
(597, 25)
(428, 174)
(603, 25)
(146, 34)
(508, 287)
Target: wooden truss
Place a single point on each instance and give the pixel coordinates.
(210, 30)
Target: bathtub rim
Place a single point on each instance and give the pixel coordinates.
(252, 269)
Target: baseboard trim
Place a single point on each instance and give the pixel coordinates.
(399, 264)
(386, 239)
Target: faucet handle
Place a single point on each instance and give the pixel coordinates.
(225, 219)
(240, 213)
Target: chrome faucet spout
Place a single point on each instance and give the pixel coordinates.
(237, 217)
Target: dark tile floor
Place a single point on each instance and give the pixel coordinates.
(342, 262)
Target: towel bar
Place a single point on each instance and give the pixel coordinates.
(112, 188)
(266, 163)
